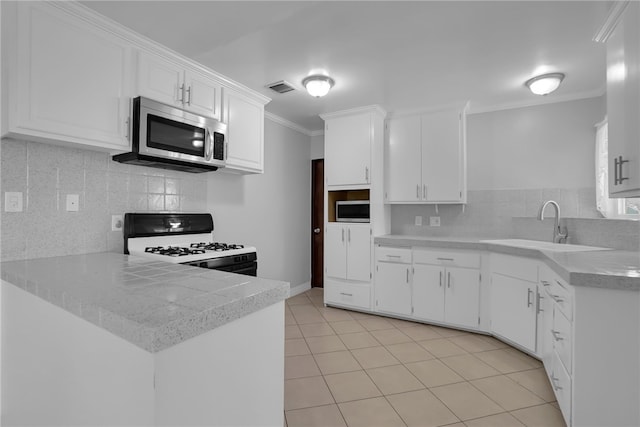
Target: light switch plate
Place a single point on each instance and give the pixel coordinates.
(434, 221)
(116, 222)
(13, 201)
(418, 220)
(73, 202)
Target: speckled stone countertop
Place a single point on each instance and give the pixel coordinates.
(612, 269)
(152, 304)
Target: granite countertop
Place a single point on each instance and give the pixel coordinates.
(612, 269)
(152, 304)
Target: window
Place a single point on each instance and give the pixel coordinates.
(610, 208)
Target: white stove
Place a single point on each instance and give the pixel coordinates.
(185, 239)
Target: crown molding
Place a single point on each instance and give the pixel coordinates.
(611, 21)
(367, 109)
(286, 123)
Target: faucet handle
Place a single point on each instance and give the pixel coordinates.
(562, 234)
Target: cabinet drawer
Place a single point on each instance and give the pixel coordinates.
(347, 294)
(562, 338)
(391, 254)
(446, 258)
(559, 292)
(561, 383)
(513, 266)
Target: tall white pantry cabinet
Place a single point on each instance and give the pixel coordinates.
(354, 166)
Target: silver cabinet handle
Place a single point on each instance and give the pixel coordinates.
(440, 278)
(189, 98)
(539, 305)
(448, 279)
(553, 382)
(529, 292)
(444, 259)
(557, 298)
(181, 93)
(343, 235)
(366, 173)
(545, 283)
(557, 335)
(619, 178)
(418, 191)
(349, 235)
(407, 275)
(394, 256)
(346, 295)
(424, 191)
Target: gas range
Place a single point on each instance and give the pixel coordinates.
(185, 239)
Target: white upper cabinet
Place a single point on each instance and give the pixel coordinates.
(425, 158)
(623, 104)
(175, 84)
(348, 150)
(69, 79)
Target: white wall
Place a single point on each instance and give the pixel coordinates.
(547, 146)
(271, 211)
(317, 147)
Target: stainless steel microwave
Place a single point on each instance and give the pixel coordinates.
(168, 137)
(352, 211)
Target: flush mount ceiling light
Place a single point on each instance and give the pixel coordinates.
(544, 84)
(318, 85)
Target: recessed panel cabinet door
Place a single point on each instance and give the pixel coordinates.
(348, 150)
(335, 251)
(393, 288)
(160, 79)
(245, 132)
(403, 161)
(428, 292)
(203, 94)
(359, 252)
(462, 297)
(513, 310)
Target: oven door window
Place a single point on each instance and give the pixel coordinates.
(169, 135)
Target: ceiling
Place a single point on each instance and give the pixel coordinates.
(404, 56)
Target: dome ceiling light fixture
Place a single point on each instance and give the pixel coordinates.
(545, 83)
(318, 85)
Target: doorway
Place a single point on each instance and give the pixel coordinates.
(317, 223)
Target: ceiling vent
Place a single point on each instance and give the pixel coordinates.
(281, 86)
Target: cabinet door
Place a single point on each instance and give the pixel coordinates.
(462, 297)
(428, 292)
(71, 79)
(245, 132)
(203, 95)
(623, 104)
(358, 252)
(442, 156)
(335, 251)
(393, 288)
(160, 79)
(403, 160)
(513, 310)
(348, 150)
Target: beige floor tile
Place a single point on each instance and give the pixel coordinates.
(306, 392)
(390, 336)
(376, 324)
(496, 342)
(442, 347)
(536, 381)
(303, 308)
(315, 291)
(296, 347)
(308, 316)
(433, 373)
(507, 393)
(325, 344)
(504, 360)
(292, 331)
(316, 329)
(540, 416)
(331, 314)
(289, 319)
(473, 343)
(349, 386)
(555, 405)
(533, 362)
(500, 420)
(359, 340)
(300, 366)
(469, 366)
(319, 416)
(421, 332)
(376, 412)
(394, 379)
(465, 401)
(347, 327)
(298, 299)
(336, 362)
(374, 357)
(317, 300)
(449, 332)
(401, 324)
(421, 409)
(359, 315)
(409, 352)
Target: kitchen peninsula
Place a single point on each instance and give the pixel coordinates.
(111, 339)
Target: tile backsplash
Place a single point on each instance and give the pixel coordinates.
(46, 173)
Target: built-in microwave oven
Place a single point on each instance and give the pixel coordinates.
(168, 137)
(352, 211)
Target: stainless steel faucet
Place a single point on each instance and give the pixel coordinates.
(558, 235)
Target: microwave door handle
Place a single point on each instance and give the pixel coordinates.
(208, 144)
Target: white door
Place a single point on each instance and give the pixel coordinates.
(348, 150)
(203, 94)
(160, 79)
(358, 252)
(335, 251)
(513, 310)
(403, 160)
(462, 297)
(73, 80)
(393, 288)
(245, 132)
(428, 292)
(441, 156)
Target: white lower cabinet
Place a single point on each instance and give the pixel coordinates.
(393, 280)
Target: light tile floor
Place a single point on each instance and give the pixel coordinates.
(345, 368)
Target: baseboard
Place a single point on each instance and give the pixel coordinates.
(295, 290)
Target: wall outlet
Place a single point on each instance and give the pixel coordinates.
(418, 220)
(73, 202)
(13, 201)
(434, 221)
(116, 223)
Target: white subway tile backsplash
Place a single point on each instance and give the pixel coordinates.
(156, 184)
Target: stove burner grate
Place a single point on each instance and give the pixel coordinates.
(216, 246)
(173, 250)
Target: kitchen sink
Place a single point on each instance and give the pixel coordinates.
(544, 246)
